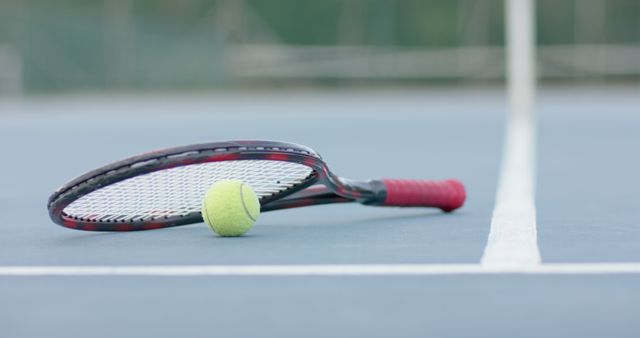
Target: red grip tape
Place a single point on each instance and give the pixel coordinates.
(447, 195)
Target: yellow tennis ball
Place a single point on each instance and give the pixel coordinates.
(230, 208)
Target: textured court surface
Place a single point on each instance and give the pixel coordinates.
(586, 204)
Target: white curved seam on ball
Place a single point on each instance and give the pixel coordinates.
(244, 206)
(206, 216)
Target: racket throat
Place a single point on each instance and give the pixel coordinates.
(371, 192)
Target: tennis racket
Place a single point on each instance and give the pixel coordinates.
(165, 188)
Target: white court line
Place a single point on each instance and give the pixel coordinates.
(513, 236)
(513, 239)
(320, 270)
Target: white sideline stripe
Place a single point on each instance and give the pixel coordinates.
(513, 236)
(321, 270)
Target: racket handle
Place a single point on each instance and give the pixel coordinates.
(447, 195)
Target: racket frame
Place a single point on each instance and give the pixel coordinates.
(330, 188)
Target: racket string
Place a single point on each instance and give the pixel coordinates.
(179, 191)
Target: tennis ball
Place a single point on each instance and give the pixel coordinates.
(230, 207)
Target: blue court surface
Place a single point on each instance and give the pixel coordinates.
(559, 258)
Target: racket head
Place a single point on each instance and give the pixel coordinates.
(164, 188)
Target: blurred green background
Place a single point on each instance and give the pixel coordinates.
(70, 45)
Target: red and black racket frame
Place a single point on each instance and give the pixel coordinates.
(320, 187)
